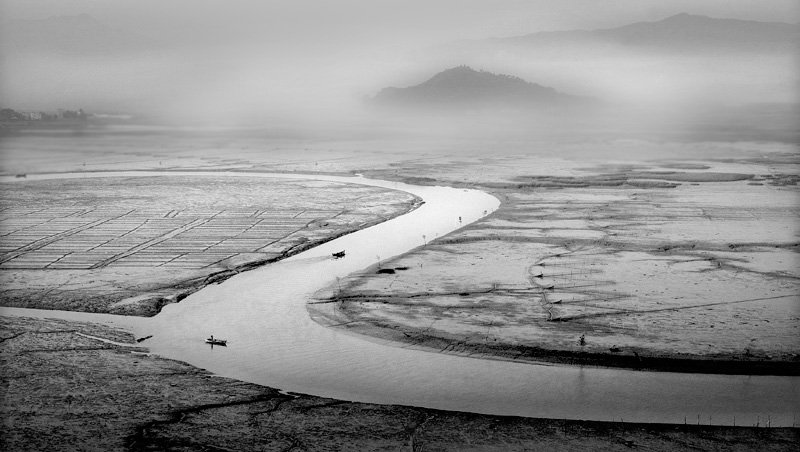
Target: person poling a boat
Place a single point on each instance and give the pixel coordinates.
(213, 341)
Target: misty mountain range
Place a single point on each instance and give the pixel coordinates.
(682, 34)
(463, 86)
(77, 61)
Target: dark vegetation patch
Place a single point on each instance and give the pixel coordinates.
(418, 180)
(605, 180)
(782, 179)
(651, 184)
(620, 168)
(676, 176)
(685, 166)
(771, 159)
(641, 179)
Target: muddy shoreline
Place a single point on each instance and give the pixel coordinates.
(623, 359)
(115, 397)
(410, 307)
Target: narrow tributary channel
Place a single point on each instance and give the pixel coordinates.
(272, 340)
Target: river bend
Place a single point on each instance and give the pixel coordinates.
(274, 342)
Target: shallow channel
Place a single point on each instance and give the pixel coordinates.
(272, 340)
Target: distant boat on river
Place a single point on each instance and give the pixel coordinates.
(213, 341)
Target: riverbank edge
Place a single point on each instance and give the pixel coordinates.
(221, 276)
(695, 364)
(699, 364)
(175, 392)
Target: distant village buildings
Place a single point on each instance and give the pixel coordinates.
(9, 114)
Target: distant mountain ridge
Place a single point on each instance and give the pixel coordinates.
(70, 36)
(681, 33)
(464, 86)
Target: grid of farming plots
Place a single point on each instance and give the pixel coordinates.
(86, 238)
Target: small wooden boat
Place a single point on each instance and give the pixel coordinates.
(213, 341)
(338, 255)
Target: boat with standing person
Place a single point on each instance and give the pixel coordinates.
(213, 341)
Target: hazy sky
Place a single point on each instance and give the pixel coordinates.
(242, 55)
(375, 20)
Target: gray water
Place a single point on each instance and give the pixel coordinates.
(272, 341)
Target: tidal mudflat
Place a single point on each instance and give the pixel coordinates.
(195, 409)
(130, 245)
(684, 266)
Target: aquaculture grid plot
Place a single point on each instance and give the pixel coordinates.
(85, 238)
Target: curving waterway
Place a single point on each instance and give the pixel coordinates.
(272, 340)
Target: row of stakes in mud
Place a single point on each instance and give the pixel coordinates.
(576, 280)
(578, 277)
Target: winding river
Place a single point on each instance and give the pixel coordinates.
(274, 342)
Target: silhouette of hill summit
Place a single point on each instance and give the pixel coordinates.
(464, 86)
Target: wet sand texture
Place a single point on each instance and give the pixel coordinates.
(690, 277)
